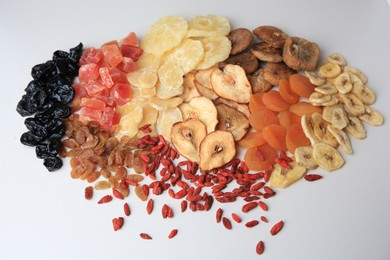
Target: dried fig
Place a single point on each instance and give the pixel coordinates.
(274, 36)
(300, 54)
(240, 38)
(274, 72)
(258, 83)
(246, 60)
(232, 120)
(216, 149)
(186, 138)
(263, 51)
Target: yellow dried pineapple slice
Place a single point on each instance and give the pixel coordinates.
(208, 25)
(216, 49)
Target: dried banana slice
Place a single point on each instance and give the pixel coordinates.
(308, 128)
(304, 157)
(372, 117)
(357, 73)
(342, 138)
(329, 70)
(282, 177)
(327, 89)
(353, 103)
(335, 115)
(314, 78)
(321, 132)
(317, 97)
(364, 93)
(327, 157)
(333, 101)
(343, 83)
(355, 128)
(337, 58)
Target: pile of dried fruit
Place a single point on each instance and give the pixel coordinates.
(175, 107)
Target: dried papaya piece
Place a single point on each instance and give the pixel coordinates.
(274, 101)
(275, 136)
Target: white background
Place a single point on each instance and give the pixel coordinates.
(44, 215)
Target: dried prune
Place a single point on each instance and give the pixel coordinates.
(33, 86)
(56, 127)
(75, 53)
(35, 127)
(25, 106)
(30, 139)
(44, 71)
(61, 111)
(59, 55)
(52, 163)
(63, 93)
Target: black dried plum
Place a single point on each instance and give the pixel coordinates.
(63, 94)
(25, 106)
(52, 163)
(38, 98)
(30, 139)
(54, 145)
(36, 127)
(75, 53)
(55, 126)
(33, 86)
(44, 71)
(62, 111)
(42, 151)
(59, 55)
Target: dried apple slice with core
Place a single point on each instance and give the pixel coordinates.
(216, 149)
(232, 120)
(186, 138)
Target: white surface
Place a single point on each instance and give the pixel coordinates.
(44, 216)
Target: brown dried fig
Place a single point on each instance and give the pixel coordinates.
(216, 149)
(274, 72)
(240, 38)
(300, 54)
(232, 120)
(258, 83)
(263, 51)
(274, 36)
(246, 60)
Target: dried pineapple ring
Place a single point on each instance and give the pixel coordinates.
(208, 25)
(164, 34)
(161, 104)
(166, 92)
(166, 118)
(143, 78)
(216, 49)
(149, 117)
(131, 105)
(129, 123)
(187, 54)
(149, 60)
(171, 74)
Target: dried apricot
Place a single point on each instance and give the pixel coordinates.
(252, 139)
(274, 101)
(275, 136)
(304, 108)
(286, 93)
(260, 157)
(256, 101)
(301, 85)
(263, 117)
(288, 118)
(295, 137)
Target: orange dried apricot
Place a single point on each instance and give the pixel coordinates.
(304, 108)
(288, 118)
(260, 157)
(295, 137)
(252, 139)
(256, 102)
(301, 85)
(286, 93)
(275, 136)
(274, 101)
(262, 117)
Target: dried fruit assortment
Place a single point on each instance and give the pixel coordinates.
(169, 113)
